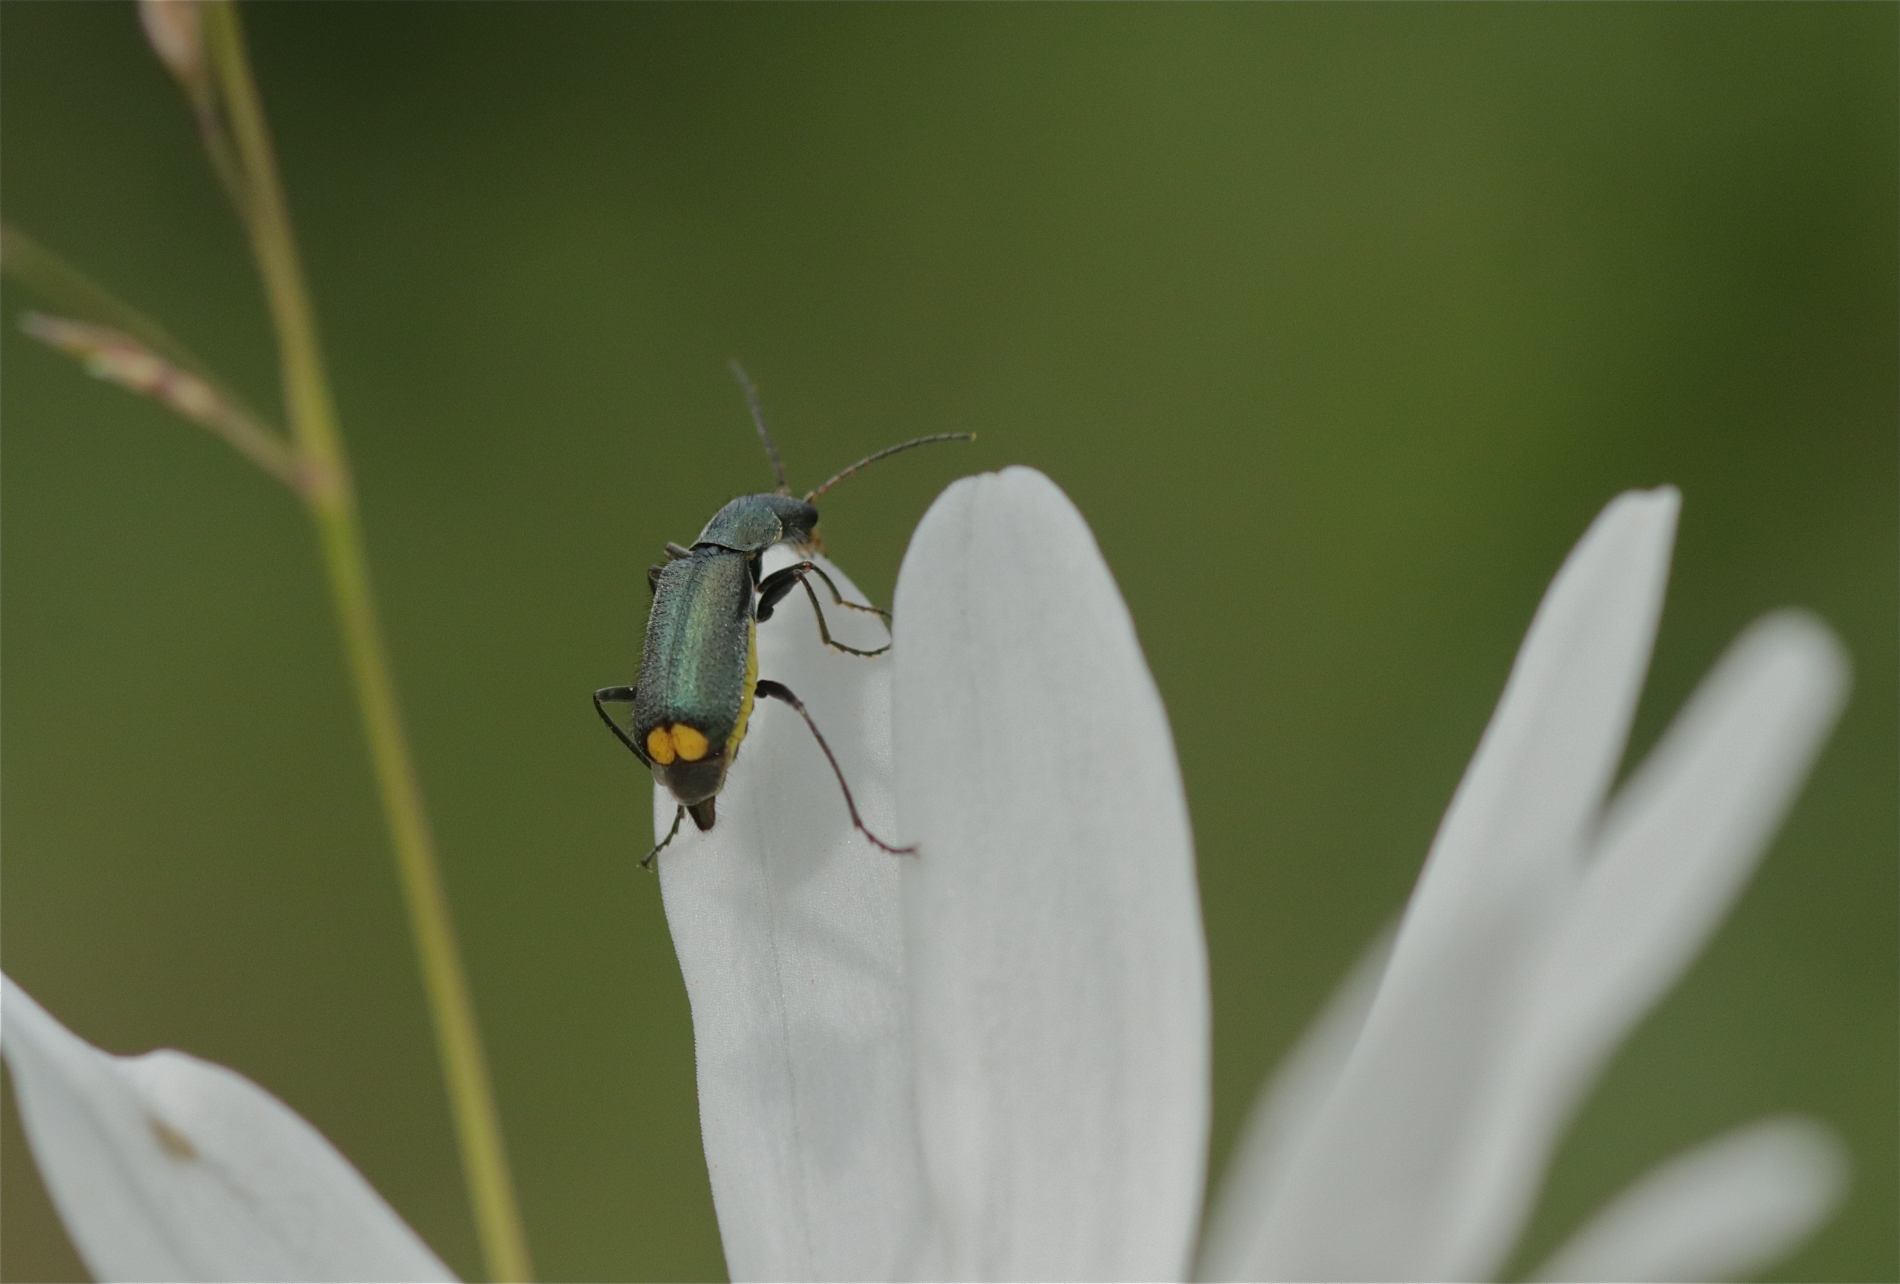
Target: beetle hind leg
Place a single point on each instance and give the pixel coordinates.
(779, 691)
(679, 814)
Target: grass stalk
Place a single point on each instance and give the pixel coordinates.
(311, 415)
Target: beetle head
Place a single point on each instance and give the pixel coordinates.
(799, 522)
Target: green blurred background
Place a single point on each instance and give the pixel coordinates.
(1339, 323)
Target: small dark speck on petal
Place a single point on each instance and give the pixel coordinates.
(175, 1143)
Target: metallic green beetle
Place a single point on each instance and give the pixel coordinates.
(699, 671)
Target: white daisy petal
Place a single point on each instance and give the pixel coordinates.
(168, 1167)
(1727, 1209)
(1282, 1115)
(789, 937)
(1052, 916)
(1676, 848)
(1370, 1189)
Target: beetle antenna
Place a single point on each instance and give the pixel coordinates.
(887, 451)
(758, 418)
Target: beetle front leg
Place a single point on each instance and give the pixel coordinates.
(774, 587)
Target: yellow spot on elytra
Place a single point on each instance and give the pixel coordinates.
(689, 741)
(664, 744)
(660, 746)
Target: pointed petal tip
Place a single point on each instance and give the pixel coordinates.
(1662, 500)
(1664, 497)
(1617, 570)
(1651, 514)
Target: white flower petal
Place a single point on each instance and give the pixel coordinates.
(1282, 1115)
(1676, 848)
(1727, 1209)
(168, 1167)
(1371, 1187)
(790, 939)
(1052, 916)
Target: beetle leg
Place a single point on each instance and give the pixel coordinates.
(624, 695)
(775, 586)
(779, 691)
(772, 591)
(674, 552)
(679, 814)
(838, 597)
(619, 695)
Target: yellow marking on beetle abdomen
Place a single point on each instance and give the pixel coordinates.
(751, 681)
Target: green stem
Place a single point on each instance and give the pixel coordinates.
(313, 425)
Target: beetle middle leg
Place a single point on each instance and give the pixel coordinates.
(624, 695)
(779, 691)
(618, 695)
(774, 587)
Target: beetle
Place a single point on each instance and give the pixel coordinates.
(699, 669)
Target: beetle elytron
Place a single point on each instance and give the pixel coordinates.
(699, 671)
